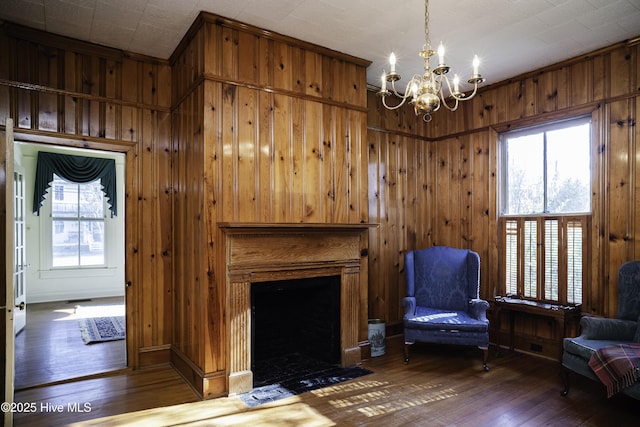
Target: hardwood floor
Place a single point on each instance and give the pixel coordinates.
(441, 386)
(50, 348)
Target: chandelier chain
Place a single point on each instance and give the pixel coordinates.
(427, 36)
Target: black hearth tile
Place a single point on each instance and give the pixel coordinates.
(294, 374)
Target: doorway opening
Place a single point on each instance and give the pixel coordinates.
(69, 303)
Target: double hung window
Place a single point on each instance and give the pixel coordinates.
(78, 225)
(545, 210)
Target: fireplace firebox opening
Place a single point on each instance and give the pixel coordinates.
(292, 320)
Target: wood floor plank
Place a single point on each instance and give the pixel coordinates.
(441, 386)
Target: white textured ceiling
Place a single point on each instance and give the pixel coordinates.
(510, 36)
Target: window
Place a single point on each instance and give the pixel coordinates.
(545, 205)
(77, 224)
(59, 192)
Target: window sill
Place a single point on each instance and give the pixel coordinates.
(77, 272)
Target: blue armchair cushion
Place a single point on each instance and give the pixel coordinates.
(429, 319)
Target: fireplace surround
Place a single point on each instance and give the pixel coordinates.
(256, 253)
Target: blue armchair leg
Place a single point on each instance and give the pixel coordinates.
(406, 351)
(485, 357)
(565, 378)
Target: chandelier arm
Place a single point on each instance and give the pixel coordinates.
(443, 98)
(407, 89)
(475, 89)
(443, 101)
(393, 107)
(396, 93)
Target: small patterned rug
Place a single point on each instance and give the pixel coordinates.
(294, 374)
(101, 329)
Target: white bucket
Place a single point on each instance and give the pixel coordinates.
(377, 337)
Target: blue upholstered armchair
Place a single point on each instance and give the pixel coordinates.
(442, 304)
(598, 332)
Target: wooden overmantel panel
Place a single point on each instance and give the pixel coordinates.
(279, 247)
(265, 252)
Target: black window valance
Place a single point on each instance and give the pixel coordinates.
(78, 169)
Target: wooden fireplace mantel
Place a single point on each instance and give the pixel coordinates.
(262, 252)
(233, 227)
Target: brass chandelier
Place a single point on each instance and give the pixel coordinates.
(426, 92)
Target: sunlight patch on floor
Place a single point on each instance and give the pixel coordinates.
(229, 411)
(428, 393)
(86, 312)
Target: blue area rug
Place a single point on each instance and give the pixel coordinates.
(101, 329)
(287, 377)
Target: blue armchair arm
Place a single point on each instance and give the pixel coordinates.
(478, 308)
(600, 328)
(409, 305)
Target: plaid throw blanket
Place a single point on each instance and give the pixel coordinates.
(618, 366)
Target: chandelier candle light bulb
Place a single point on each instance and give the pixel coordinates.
(426, 92)
(441, 55)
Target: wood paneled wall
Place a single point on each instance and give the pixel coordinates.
(65, 92)
(266, 129)
(246, 125)
(436, 183)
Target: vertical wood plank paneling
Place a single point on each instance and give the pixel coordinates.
(313, 73)
(375, 257)
(635, 135)
(359, 173)
(392, 223)
(621, 72)
(344, 164)
(298, 152)
(265, 154)
(283, 165)
(313, 163)
(245, 160)
(562, 89)
(247, 57)
(327, 153)
(282, 66)
(581, 83)
(229, 152)
(146, 201)
(298, 78)
(619, 195)
(601, 77)
(229, 54)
